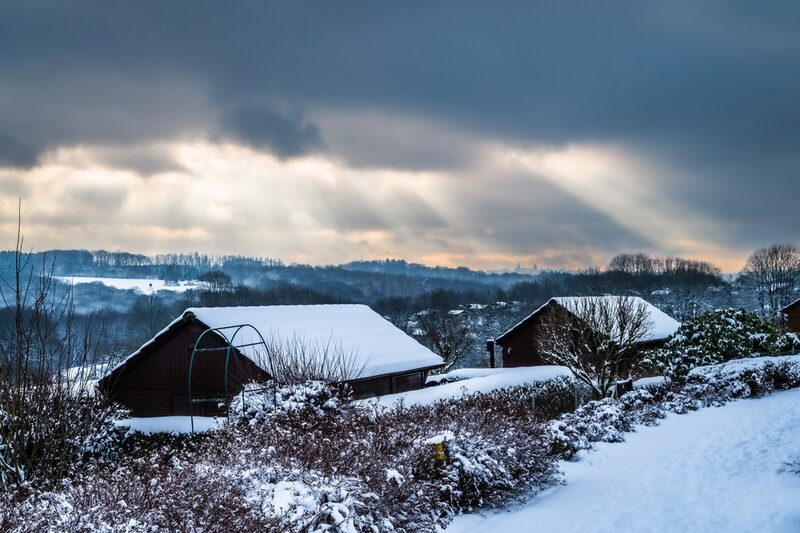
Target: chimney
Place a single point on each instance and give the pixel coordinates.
(490, 349)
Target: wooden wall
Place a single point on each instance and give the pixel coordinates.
(793, 318)
(156, 383)
(392, 384)
(519, 347)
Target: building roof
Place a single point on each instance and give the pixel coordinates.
(663, 325)
(791, 305)
(373, 345)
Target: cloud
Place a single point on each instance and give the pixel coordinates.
(702, 95)
(143, 160)
(262, 126)
(14, 153)
(310, 208)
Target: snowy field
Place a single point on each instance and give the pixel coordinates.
(145, 286)
(717, 469)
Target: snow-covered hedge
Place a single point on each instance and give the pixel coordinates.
(257, 402)
(718, 336)
(321, 463)
(46, 434)
(607, 420)
(316, 463)
(479, 381)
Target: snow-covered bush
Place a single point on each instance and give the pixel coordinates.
(603, 420)
(257, 402)
(49, 431)
(789, 343)
(608, 419)
(743, 378)
(718, 336)
(303, 468)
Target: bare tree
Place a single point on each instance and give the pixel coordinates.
(775, 271)
(48, 414)
(147, 316)
(218, 288)
(637, 263)
(447, 333)
(217, 280)
(595, 337)
(396, 309)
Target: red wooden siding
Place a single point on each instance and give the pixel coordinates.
(378, 386)
(520, 346)
(793, 318)
(155, 383)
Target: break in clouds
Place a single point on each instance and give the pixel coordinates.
(469, 134)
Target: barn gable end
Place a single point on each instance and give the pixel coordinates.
(154, 382)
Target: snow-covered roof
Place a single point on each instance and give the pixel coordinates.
(662, 325)
(374, 344)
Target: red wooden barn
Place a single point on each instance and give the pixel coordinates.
(349, 341)
(520, 342)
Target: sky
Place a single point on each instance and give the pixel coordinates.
(483, 134)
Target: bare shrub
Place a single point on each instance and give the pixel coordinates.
(296, 359)
(49, 417)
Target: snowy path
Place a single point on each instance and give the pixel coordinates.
(717, 469)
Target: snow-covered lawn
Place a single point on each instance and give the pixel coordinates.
(717, 469)
(500, 379)
(145, 286)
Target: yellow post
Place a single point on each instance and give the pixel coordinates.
(438, 452)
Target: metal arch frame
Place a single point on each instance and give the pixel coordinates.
(229, 345)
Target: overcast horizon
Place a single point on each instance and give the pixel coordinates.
(475, 134)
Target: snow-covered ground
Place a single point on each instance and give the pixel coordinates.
(464, 373)
(510, 377)
(146, 286)
(655, 381)
(171, 424)
(717, 469)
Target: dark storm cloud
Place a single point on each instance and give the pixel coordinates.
(14, 153)
(709, 89)
(262, 126)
